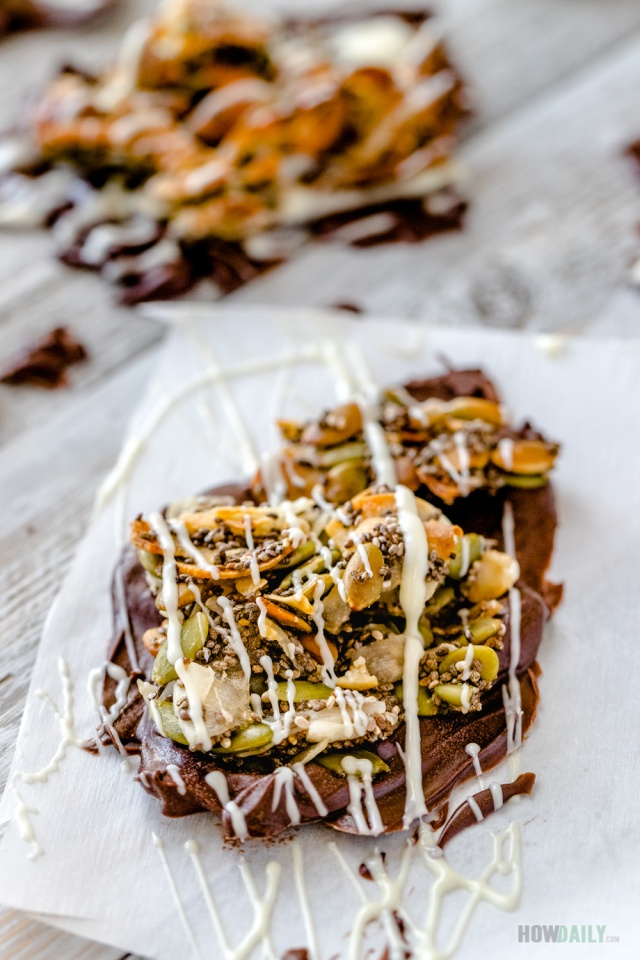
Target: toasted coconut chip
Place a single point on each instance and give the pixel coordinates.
(286, 617)
(263, 522)
(140, 538)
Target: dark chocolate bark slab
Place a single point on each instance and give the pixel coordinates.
(445, 762)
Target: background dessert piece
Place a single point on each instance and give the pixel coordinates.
(216, 145)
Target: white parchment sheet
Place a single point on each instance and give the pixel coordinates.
(100, 874)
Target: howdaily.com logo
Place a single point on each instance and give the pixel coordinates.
(563, 933)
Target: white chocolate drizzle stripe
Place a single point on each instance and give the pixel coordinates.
(412, 600)
(188, 929)
(169, 586)
(185, 541)
(236, 640)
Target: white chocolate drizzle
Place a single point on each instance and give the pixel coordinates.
(413, 594)
(236, 640)
(173, 887)
(328, 672)
(23, 811)
(218, 783)
(511, 692)
(283, 779)
(473, 750)
(169, 586)
(307, 783)
(198, 738)
(475, 809)
(360, 779)
(175, 775)
(297, 862)
(189, 547)
(263, 907)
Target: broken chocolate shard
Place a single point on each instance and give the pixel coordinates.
(45, 363)
(464, 817)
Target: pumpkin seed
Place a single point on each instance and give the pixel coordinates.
(333, 761)
(304, 691)
(451, 693)
(345, 480)
(170, 723)
(363, 579)
(252, 738)
(443, 596)
(467, 550)
(484, 627)
(193, 635)
(335, 427)
(348, 451)
(489, 664)
(299, 555)
(152, 562)
(426, 706)
(523, 482)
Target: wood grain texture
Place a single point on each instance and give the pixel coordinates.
(551, 230)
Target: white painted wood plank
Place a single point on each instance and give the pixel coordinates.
(70, 298)
(22, 938)
(39, 538)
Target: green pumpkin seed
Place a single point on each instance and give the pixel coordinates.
(333, 761)
(194, 632)
(451, 693)
(363, 579)
(251, 739)
(484, 627)
(345, 480)
(306, 570)
(425, 631)
(426, 706)
(489, 663)
(475, 548)
(299, 555)
(523, 482)
(170, 723)
(152, 562)
(334, 455)
(443, 596)
(304, 691)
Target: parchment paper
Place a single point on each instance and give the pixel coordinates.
(100, 875)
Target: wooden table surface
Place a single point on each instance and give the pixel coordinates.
(550, 236)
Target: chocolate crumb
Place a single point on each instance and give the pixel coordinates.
(349, 307)
(45, 362)
(364, 871)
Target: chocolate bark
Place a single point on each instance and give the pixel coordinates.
(445, 762)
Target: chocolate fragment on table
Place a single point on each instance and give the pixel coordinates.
(16, 15)
(45, 363)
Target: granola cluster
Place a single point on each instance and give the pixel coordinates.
(291, 627)
(450, 447)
